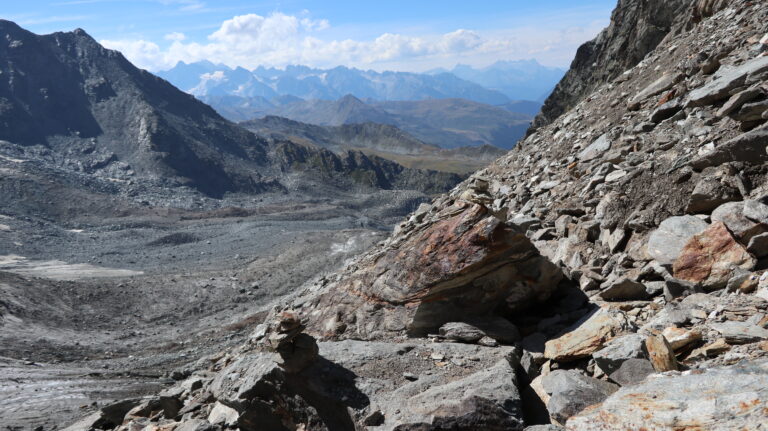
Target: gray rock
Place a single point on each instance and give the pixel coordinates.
(758, 245)
(498, 328)
(732, 214)
(632, 371)
(485, 400)
(737, 100)
(756, 210)
(751, 111)
(664, 83)
(462, 332)
(234, 384)
(619, 350)
(625, 289)
(740, 332)
(713, 399)
(223, 415)
(709, 193)
(196, 425)
(665, 111)
(725, 80)
(570, 392)
(595, 149)
(666, 242)
(748, 147)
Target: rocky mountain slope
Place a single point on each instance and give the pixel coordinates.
(606, 274)
(446, 123)
(636, 28)
(382, 140)
(67, 102)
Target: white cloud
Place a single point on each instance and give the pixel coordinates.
(279, 40)
(175, 36)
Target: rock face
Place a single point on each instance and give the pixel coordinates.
(699, 399)
(463, 261)
(636, 29)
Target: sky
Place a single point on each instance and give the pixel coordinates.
(415, 35)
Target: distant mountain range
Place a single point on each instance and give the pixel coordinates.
(518, 80)
(445, 123)
(208, 79)
(448, 109)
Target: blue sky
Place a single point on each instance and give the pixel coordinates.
(411, 35)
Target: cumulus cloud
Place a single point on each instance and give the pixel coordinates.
(278, 40)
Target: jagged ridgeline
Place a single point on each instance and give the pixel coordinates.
(606, 274)
(86, 108)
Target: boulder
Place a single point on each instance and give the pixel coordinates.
(619, 350)
(758, 245)
(710, 257)
(487, 400)
(715, 399)
(664, 83)
(235, 385)
(466, 264)
(660, 353)
(725, 80)
(737, 100)
(732, 214)
(751, 111)
(748, 147)
(625, 289)
(570, 392)
(595, 149)
(709, 193)
(665, 111)
(666, 242)
(756, 210)
(223, 415)
(462, 332)
(740, 332)
(632, 371)
(587, 335)
(680, 338)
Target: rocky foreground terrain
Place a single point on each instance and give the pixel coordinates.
(609, 273)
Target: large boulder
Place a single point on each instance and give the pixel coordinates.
(711, 256)
(465, 263)
(716, 399)
(666, 242)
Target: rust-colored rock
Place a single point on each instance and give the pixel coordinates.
(710, 257)
(660, 353)
(465, 262)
